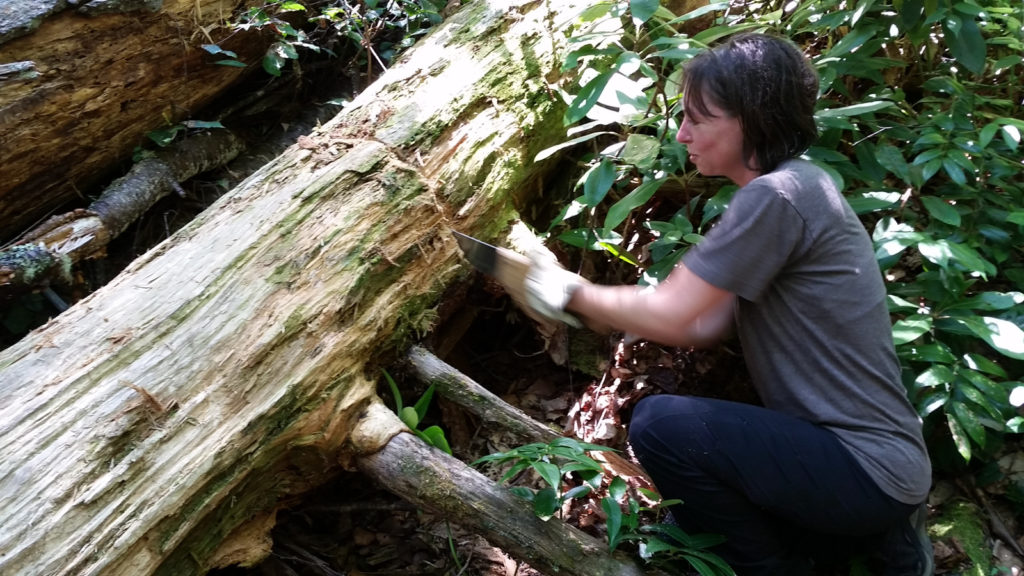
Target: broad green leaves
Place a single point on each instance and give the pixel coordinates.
(921, 128)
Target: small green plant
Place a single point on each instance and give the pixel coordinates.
(568, 473)
(552, 462)
(164, 136)
(377, 29)
(412, 416)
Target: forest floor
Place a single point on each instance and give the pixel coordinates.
(352, 527)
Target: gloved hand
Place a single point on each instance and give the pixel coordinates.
(549, 287)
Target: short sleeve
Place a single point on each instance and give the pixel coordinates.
(754, 240)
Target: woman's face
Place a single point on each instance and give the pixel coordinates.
(715, 144)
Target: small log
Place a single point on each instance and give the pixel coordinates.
(430, 478)
(460, 389)
(46, 253)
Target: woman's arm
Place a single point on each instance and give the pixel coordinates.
(684, 310)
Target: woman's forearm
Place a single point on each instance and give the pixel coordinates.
(682, 311)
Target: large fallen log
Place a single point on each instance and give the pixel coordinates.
(82, 82)
(160, 421)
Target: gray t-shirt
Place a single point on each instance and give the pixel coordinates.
(812, 319)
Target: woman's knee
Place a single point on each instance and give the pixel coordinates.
(658, 422)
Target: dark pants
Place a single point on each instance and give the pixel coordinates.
(767, 481)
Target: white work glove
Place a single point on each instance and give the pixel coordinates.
(549, 287)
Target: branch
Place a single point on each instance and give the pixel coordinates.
(45, 255)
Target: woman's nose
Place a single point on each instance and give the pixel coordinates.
(683, 135)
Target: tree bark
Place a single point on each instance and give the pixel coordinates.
(148, 428)
(79, 89)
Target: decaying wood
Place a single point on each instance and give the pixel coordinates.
(79, 89)
(258, 327)
(430, 478)
(46, 253)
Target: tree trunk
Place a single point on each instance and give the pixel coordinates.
(159, 422)
(82, 88)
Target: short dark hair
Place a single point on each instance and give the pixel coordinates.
(765, 82)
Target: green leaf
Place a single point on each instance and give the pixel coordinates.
(550, 151)
(697, 13)
(577, 492)
(710, 35)
(1011, 136)
(1003, 335)
(892, 160)
(287, 50)
(954, 171)
(854, 109)
(642, 10)
(969, 421)
(987, 133)
(409, 417)
(960, 438)
(936, 376)
(587, 98)
(215, 49)
(394, 392)
(638, 197)
(522, 492)
(862, 7)
(641, 150)
(549, 472)
(292, 7)
(424, 402)
(434, 436)
(866, 202)
(991, 389)
(273, 62)
(1007, 62)
(937, 353)
(855, 39)
(165, 136)
(910, 328)
(983, 364)
(590, 238)
(941, 210)
(965, 42)
(231, 63)
(989, 301)
(940, 252)
(617, 488)
(202, 124)
(545, 503)
(598, 181)
(613, 524)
